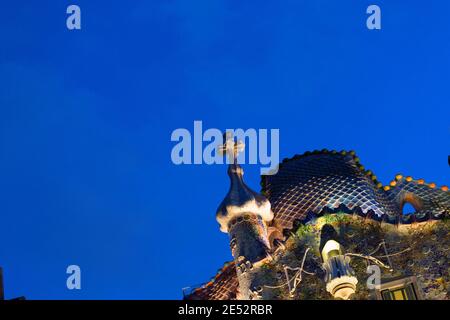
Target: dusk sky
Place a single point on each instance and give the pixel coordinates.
(86, 116)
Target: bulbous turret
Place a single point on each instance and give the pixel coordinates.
(243, 214)
(241, 200)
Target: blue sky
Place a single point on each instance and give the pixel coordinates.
(86, 118)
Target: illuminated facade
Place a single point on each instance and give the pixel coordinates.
(322, 228)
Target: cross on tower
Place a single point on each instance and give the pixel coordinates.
(231, 147)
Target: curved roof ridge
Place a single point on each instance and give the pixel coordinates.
(365, 171)
(408, 179)
(351, 153)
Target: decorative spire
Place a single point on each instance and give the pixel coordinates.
(231, 148)
(240, 199)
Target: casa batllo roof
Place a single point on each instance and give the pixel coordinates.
(319, 182)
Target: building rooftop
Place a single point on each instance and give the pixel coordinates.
(320, 182)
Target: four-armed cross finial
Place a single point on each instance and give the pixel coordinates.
(230, 147)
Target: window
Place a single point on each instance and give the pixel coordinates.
(398, 289)
(405, 293)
